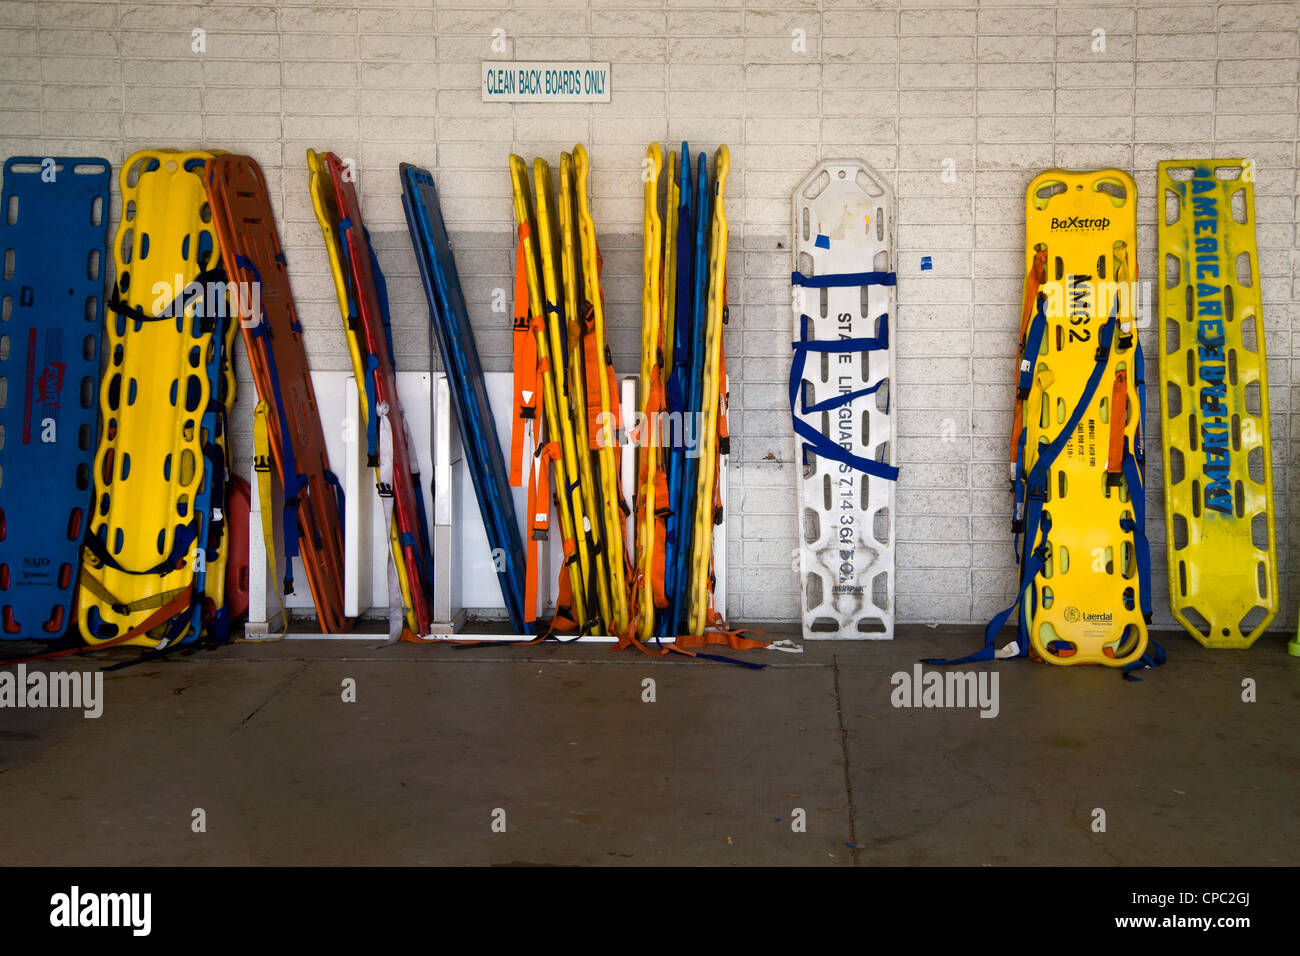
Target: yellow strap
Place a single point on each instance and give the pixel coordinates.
(266, 501)
(147, 603)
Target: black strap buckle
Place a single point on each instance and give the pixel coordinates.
(261, 463)
(384, 488)
(1036, 492)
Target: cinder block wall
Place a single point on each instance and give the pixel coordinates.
(990, 92)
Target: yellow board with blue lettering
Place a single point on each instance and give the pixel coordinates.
(1218, 463)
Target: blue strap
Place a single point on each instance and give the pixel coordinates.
(723, 659)
(1033, 343)
(1140, 378)
(1141, 548)
(179, 623)
(293, 481)
(217, 488)
(353, 316)
(843, 279)
(180, 545)
(813, 438)
(1035, 518)
(294, 324)
(1018, 493)
(1028, 360)
(875, 343)
(844, 399)
(381, 291)
(244, 262)
(372, 411)
(219, 626)
(372, 360)
(340, 497)
(182, 300)
(1029, 569)
(1154, 657)
(422, 552)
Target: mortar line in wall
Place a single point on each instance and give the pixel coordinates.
(1132, 126)
(357, 89)
(40, 73)
(1295, 245)
(735, 528)
(279, 39)
(514, 107)
(1214, 92)
(974, 310)
(1056, 77)
(121, 113)
(435, 148)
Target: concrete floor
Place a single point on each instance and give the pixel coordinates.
(559, 738)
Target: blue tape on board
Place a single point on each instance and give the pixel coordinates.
(926, 264)
(823, 242)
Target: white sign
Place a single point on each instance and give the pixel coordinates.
(545, 82)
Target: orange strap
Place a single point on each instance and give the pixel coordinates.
(1118, 413)
(658, 502)
(539, 522)
(629, 636)
(591, 369)
(527, 375)
(615, 406)
(658, 570)
(1033, 282)
(717, 632)
(564, 619)
(177, 605)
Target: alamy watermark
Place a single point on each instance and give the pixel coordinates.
(77, 690)
(1082, 299)
(946, 688)
(76, 909)
(211, 299)
(660, 430)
